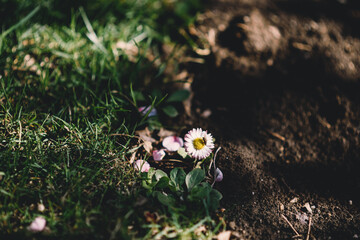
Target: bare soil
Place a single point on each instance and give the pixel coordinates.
(282, 86)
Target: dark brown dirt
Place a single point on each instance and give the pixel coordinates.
(282, 84)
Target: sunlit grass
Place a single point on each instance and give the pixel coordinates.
(69, 111)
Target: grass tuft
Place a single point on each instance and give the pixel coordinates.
(71, 74)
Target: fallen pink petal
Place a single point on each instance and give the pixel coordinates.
(38, 225)
(158, 155)
(173, 143)
(218, 175)
(141, 165)
(143, 110)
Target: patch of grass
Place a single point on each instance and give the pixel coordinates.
(69, 170)
(69, 76)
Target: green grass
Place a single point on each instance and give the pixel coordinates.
(69, 75)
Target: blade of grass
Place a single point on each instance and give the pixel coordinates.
(91, 35)
(21, 22)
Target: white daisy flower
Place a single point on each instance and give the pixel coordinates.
(198, 143)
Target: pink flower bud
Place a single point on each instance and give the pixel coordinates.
(218, 175)
(143, 110)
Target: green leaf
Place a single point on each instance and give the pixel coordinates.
(147, 176)
(161, 70)
(139, 96)
(170, 111)
(216, 194)
(156, 93)
(172, 187)
(148, 185)
(179, 96)
(177, 176)
(214, 199)
(150, 173)
(149, 180)
(155, 178)
(154, 123)
(164, 199)
(194, 178)
(159, 174)
(181, 151)
(200, 192)
(162, 183)
(6, 193)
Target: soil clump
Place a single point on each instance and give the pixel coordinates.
(281, 94)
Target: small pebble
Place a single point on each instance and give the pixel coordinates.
(232, 225)
(222, 27)
(206, 113)
(282, 207)
(247, 19)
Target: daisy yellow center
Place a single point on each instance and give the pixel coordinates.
(199, 143)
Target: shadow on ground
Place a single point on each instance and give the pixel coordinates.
(289, 123)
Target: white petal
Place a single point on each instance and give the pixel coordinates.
(173, 143)
(37, 225)
(158, 155)
(141, 165)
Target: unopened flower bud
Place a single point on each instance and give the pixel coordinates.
(218, 175)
